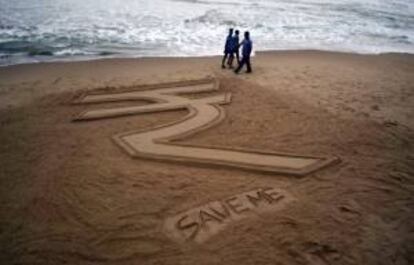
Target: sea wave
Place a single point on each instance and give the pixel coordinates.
(30, 31)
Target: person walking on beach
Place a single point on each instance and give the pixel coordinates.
(234, 49)
(247, 50)
(227, 48)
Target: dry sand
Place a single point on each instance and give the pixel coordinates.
(69, 195)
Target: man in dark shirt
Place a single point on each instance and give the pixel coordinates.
(227, 48)
(247, 50)
(234, 49)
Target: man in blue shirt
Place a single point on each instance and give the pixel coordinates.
(234, 49)
(247, 50)
(227, 48)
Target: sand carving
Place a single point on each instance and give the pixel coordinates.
(158, 143)
(201, 223)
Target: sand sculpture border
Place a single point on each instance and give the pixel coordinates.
(119, 139)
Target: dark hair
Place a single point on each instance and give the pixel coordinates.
(237, 32)
(246, 34)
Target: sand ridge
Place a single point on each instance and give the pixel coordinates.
(203, 113)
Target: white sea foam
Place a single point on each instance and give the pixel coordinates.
(53, 29)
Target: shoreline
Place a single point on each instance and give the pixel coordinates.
(76, 59)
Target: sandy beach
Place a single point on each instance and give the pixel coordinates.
(70, 195)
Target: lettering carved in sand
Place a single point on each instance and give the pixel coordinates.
(158, 143)
(201, 223)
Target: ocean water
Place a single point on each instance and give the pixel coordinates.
(47, 30)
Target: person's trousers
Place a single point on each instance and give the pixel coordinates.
(226, 54)
(245, 60)
(232, 58)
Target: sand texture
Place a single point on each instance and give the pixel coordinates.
(203, 113)
(71, 195)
